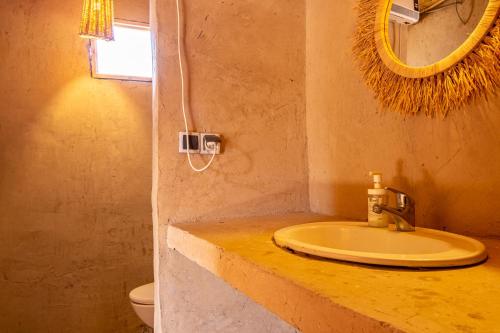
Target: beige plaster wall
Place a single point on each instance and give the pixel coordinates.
(75, 177)
(450, 166)
(202, 302)
(247, 81)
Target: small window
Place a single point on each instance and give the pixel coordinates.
(128, 57)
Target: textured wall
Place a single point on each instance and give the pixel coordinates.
(246, 61)
(227, 311)
(75, 177)
(450, 166)
(246, 78)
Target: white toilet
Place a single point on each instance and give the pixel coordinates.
(142, 299)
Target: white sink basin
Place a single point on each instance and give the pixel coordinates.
(357, 242)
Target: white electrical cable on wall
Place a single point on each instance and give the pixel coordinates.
(183, 102)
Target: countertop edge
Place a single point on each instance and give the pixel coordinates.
(299, 306)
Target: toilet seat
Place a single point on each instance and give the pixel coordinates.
(142, 300)
(143, 295)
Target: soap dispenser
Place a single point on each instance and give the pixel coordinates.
(377, 195)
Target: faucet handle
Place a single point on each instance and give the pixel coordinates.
(403, 199)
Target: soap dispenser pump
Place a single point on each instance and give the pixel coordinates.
(377, 195)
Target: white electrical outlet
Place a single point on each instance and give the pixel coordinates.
(210, 142)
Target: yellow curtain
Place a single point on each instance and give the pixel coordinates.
(97, 19)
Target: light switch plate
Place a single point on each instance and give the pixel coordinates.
(194, 142)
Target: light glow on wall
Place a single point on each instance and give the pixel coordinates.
(129, 56)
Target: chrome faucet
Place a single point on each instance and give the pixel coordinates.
(404, 214)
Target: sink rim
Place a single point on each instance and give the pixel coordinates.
(436, 260)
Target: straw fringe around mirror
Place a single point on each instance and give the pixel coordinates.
(475, 77)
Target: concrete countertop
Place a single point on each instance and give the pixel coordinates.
(318, 295)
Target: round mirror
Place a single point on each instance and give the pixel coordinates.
(421, 38)
(439, 56)
(424, 32)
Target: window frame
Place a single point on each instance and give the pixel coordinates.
(93, 60)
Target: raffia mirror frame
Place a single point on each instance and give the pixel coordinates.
(470, 73)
